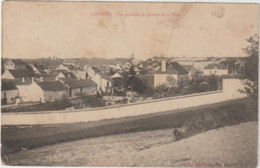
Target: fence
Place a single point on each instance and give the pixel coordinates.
(230, 91)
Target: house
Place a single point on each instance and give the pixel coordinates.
(104, 82)
(118, 68)
(69, 62)
(58, 74)
(62, 67)
(85, 67)
(215, 69)
(170, 73)
(80, 74)
(35, 69)
(92, 71)
(54, 75)
(14, 64)
(19, 76)
(117, 80)
(9, 92)
(46, 91)
(80, 87)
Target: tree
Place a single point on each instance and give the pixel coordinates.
(251, 69)
(212, 82)
(132, 82)
(28, 68)
(251, 51)
(2, 66)
(204, 86)
(148, 90)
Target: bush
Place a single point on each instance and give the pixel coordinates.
(148, 92)
(160, 91)
(225, 115)
(123, 101)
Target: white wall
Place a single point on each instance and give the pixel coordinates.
(30, 93)
(74, 91)
(104, 84)
(215, 71)
(9, 65)
(80, 74)
(10, 95)
(162, 79)
(233, 87)
(90, 90)
(101, 83)
(7, 75)
(153, 106)
(54, 95)
(59, 76)
(97, 80)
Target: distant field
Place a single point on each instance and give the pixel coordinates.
(199, 119)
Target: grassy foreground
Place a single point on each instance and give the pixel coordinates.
(187, 122)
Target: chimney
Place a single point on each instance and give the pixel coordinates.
(163, 66)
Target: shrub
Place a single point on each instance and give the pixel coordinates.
(160, 91)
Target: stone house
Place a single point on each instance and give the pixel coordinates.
(14, 64)
(46, 91)
(80, 87)
(170, 73)
(215, 69)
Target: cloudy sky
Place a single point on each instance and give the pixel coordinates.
(67, 29)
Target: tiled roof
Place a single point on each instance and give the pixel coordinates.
(73, 83)
(21, 73)
(217, 66)
(18, 62)
(8, 86)
(64, 72)
(116, 75)
(104, 76)
(173, 68)
(69, 74)
(189, 68)
(52, 85)
(97, 70)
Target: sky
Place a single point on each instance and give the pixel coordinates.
(72, 30)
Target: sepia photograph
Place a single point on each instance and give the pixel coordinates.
(129, 84)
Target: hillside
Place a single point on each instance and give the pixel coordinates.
(234, 146)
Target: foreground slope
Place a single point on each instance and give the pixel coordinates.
(227, 146)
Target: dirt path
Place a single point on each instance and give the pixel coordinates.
(229, 146)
